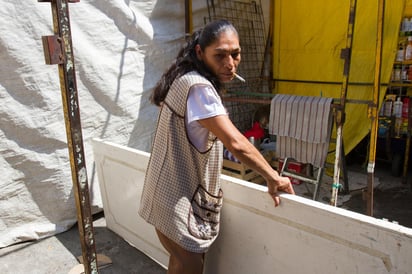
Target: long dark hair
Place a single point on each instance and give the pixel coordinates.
(187, 60)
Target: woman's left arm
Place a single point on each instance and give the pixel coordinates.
(245, 152)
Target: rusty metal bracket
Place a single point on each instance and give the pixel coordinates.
(340, 114)
(52, 47)
(50, 1)
(59, 50)
(372, 110)
(345, 54)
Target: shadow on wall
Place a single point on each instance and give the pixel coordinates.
(168, 22)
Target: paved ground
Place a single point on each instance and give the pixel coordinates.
(55, 255)
(392, 197)
(58, 254)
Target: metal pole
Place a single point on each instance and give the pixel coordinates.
(373, 109)
(188, 18)
(406, 160)
(340, 110)
(58, 50)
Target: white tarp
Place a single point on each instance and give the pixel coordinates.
(120, 48)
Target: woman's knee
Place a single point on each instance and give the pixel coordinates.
(180, 257)
(165, 241)
(174, 248)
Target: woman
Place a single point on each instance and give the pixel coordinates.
(182, 196)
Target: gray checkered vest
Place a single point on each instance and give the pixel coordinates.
(182, 196)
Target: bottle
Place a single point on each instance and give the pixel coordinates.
(409, 28)
(408, 49)
(405, 25)
(405, 107)
(382, 110)
(397, 71)
(397, 108)
(404, 73)
(388, 108)
(409, 73)
(400, 56)
(252, 140)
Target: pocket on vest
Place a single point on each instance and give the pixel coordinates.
(204, 214)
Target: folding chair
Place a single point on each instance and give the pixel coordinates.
(302, 126)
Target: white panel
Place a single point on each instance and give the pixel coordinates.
(121, 175)
(299, 236)
(303, 236)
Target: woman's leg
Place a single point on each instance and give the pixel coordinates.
(181, 261)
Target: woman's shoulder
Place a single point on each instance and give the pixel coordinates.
(178, 93)
(188, 80)
(194, 77)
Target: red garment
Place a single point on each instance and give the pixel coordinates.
(256, 131)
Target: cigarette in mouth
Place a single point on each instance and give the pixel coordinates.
(239, 77)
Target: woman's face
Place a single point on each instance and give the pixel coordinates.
(223, 56)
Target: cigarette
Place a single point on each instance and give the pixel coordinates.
(239, 77)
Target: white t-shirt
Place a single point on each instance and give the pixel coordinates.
(203, 102)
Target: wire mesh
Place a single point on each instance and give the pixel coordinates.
(243, 99)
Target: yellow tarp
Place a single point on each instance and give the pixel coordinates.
(308, 38)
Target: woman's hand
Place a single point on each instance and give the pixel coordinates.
(282, 184)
